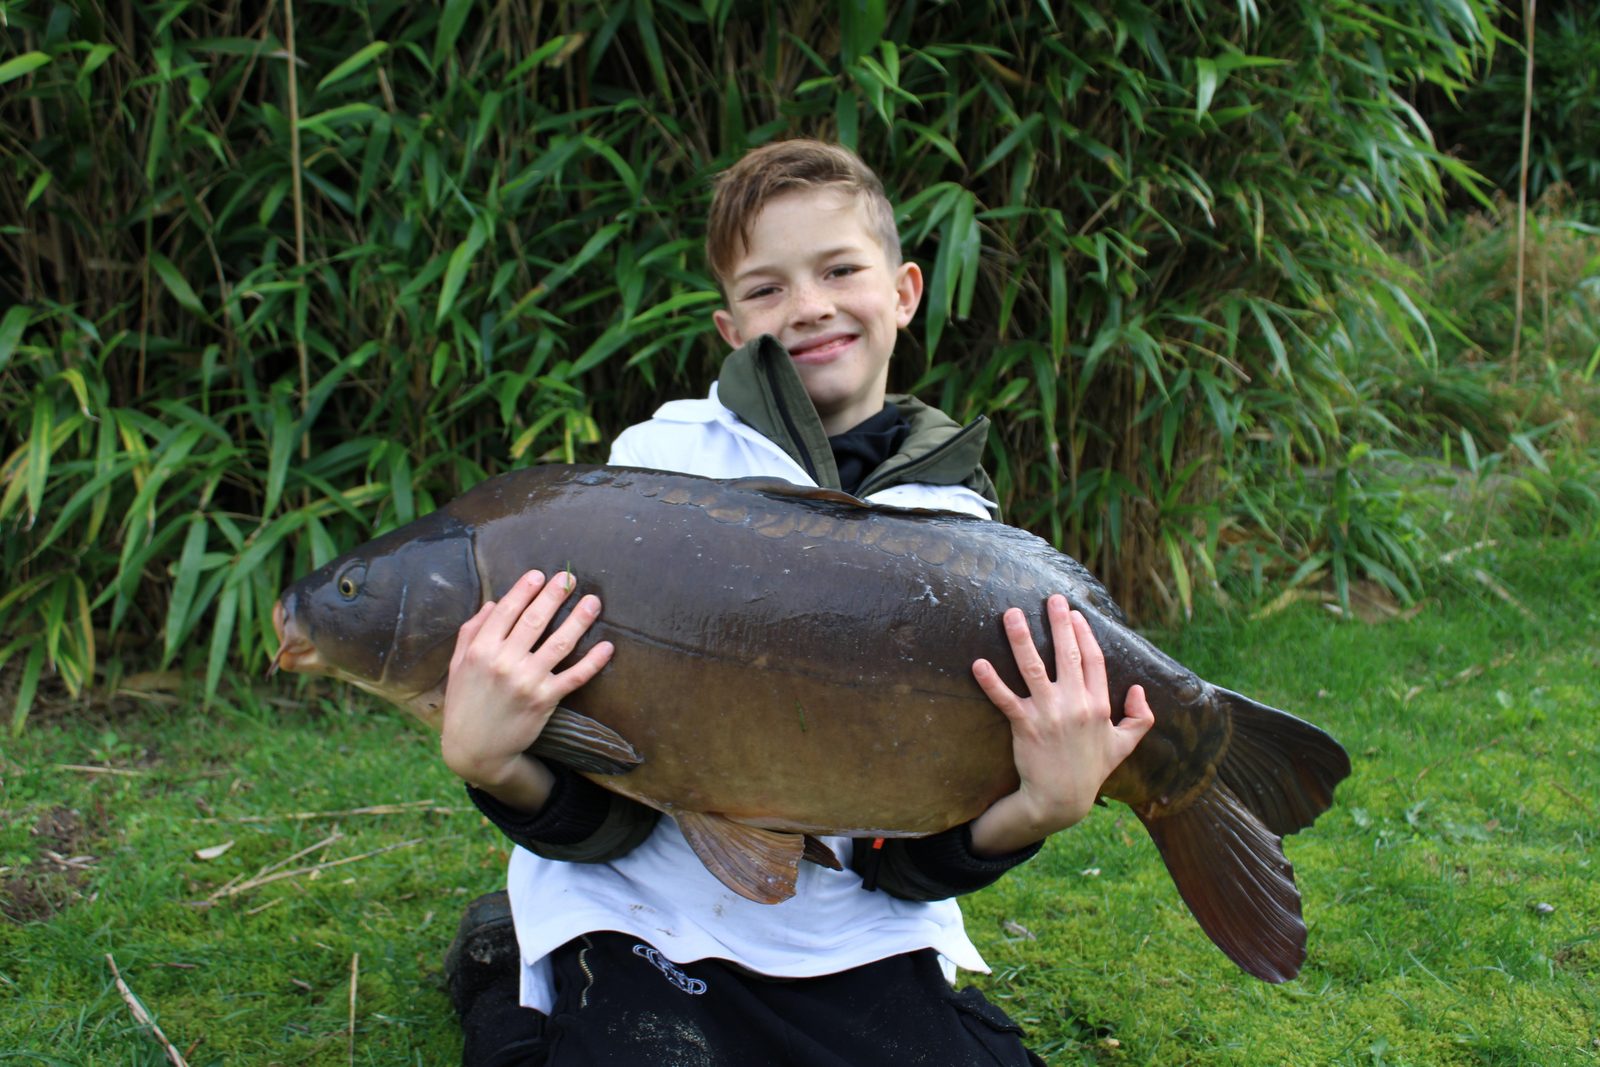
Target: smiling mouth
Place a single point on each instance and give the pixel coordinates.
(822, 350)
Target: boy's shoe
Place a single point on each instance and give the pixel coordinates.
(484, 951)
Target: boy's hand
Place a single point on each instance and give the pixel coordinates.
(504, 686)
(1062, 736)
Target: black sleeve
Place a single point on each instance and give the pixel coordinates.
(580, 822)
(934, 867)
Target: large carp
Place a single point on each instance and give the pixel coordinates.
(791, 662)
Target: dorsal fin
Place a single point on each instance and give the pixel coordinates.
(779, 487)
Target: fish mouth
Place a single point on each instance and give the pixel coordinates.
(296, 653)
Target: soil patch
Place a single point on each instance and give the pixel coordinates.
(35, 893)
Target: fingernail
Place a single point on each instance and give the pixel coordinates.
(535, 577)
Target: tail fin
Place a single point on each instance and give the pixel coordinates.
(1232, 873)
(1282, 768)
(1225, 851)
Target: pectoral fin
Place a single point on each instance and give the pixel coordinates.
(584, 744)
(759, 865)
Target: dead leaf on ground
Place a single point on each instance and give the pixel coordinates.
(213, 851)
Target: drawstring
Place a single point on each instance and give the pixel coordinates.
(868, 868)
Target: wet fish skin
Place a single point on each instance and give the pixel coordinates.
(792, 660)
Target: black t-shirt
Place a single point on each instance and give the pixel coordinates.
(862, 449)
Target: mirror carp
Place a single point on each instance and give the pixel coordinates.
(792, 662)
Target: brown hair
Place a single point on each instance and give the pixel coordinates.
(764, 173)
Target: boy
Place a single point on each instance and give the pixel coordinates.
(632, 951)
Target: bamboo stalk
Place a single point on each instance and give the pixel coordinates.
(1522, 186)
(298, 196)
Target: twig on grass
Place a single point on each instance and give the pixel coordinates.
(324, 843)
(355, 973)
(91, 769)
(1570, 795)
(410, 806)
(1488, 582)
(142, 1017)
(268, 875)
(1454, 756)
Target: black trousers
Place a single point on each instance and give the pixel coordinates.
(620, 1003)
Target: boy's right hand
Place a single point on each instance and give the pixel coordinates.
(504, 686)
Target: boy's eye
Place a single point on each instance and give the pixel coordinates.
(760, 291)
(843, 270)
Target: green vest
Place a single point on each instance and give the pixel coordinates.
(759, 384)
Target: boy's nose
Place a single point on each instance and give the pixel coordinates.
(811, 302)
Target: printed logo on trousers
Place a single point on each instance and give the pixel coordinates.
(692, 986)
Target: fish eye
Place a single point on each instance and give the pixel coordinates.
(349, 583)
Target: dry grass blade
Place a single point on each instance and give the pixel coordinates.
(233, 890)
(1487, 581)
(85, 768)
(355, 974)
(142, 1017)
(427, 807)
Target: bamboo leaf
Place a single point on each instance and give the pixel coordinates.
(460, 262)
(1180, 572)
(222, 624)
(18, 66)
(186, 576)
(175, 283)
(353, 63)
(27, 686)
(94, 60)
(11, 330)
(1011, 141)
(453, 18)
(281, 440)
(39, 452)
(36, 190)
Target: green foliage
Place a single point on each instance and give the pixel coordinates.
(1482, 123)
(282, 283)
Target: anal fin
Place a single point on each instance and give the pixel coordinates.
(821, 854)
(584, 744)
(759, 865)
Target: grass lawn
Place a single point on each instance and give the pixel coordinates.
(1452, 894)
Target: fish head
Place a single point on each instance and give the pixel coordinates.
(384, 616)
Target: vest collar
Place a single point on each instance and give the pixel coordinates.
(759, 384)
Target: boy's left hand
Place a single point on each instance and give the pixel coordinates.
(1062, 736)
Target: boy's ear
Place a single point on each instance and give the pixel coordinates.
(908, 293)
(727, 327)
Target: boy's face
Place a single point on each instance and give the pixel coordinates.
(815, 277)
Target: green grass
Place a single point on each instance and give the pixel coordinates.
(1473, 802)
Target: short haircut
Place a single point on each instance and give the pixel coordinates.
(767, 172)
